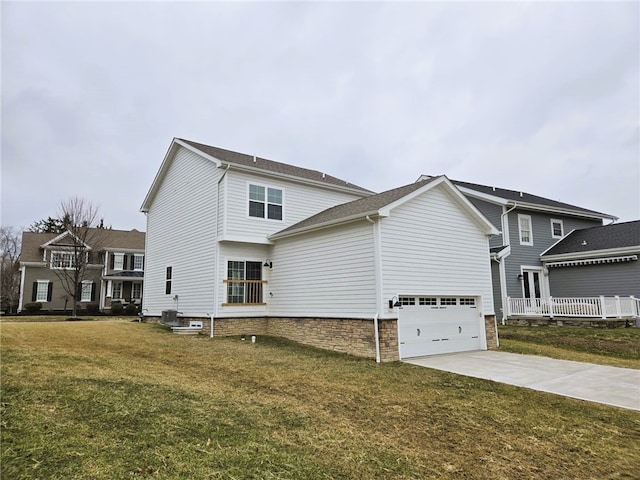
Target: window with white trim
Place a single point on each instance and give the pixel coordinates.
(428, 301)
(168, 278)
(138, 262)
(118, 261)
(42, 291)
(85, 293)
(63, 260)
(116, 290)
(265, 202)
(524, 229)
(448, 301)
(136, 291)
(467, 301)
(244, 283)
(557, 228)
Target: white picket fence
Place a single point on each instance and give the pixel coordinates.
(588, 307)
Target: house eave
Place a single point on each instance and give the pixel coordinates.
(591, 254)
(323, 225)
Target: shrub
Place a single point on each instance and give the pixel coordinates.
(131, 309)
(33, 307)
(116, 308)
(92, 308)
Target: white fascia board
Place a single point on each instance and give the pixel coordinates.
(532, 206)
(166, 162)
(245, 239)
(50, 244)
(593, 254)
(320, 226)
(139, 251)
(301, 180)
(33, 264)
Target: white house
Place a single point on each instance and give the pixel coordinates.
(252, 246)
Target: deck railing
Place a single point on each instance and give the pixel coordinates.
(588, 307)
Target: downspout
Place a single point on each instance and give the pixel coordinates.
(503, 274)
(376, 335)
(217, 265)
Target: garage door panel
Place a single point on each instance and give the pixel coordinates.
(429, 330)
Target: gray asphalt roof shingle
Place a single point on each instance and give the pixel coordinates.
(245, 160)
(515, 196)
(357, 207)
(617, 235)
(109, 239)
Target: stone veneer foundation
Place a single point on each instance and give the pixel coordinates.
(348, 335)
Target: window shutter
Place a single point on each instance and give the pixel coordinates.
(124, 262)
(49, 292)
(143, 262)
(93, 291)
(112, 261)
(132, 263)
(34, 294)
(79, 292)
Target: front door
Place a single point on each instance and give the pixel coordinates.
(533, 289)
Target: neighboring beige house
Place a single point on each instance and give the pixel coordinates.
(115, 269)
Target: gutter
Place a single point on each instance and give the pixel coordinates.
(217, 265)
(376, 334)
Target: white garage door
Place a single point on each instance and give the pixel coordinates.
(433, 325)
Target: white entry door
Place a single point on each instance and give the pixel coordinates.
(433, 325)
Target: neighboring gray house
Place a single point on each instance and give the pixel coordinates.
(596, 261)
(115, 269)
(529, 225)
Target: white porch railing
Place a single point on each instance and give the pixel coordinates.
(593, 307)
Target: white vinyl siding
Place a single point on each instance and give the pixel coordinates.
(432, 247)
(525, 229)
(329, 273)
(181, 231)
(300, 201)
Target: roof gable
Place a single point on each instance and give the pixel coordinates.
(381, 204)
(33, 243)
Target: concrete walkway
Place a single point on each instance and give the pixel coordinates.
(615, 386)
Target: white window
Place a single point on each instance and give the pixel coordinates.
(116, 291)
(448, 301)
(137, 291)
(467, 301)
(118, 261)
(428, 301)
(85, 294)
(138, 262)
(524, 227)
(557, 228)
(42, 290)
(63, 260)
(265, 202)
(244, 282)
(407, 301)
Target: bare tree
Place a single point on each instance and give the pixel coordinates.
(9, 267)
(80, 218)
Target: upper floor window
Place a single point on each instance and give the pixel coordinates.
(63, 260)
(138, 262)
(557, 228)
(265, 202)
(118, 261)
(524, 228)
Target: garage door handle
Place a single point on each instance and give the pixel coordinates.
(459, 329)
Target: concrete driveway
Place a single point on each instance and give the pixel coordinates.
(615, 386)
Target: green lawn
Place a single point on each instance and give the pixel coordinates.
(619, 347)
(121, 399)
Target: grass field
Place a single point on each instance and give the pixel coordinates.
(121, 399)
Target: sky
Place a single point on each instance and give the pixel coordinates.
(541, 97)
